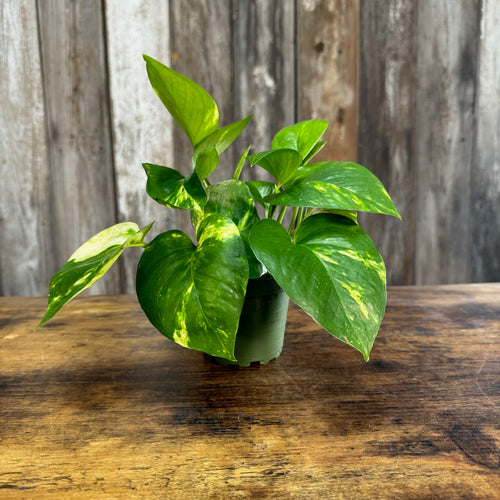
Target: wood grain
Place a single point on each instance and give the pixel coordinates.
(264, 72)
(142, 127)
(201, 50)
(26, 246)
(70, 158)
(99, 404)
(485, 175)
(388, 81)
(447, 45)
(78, 128)
(327, 72)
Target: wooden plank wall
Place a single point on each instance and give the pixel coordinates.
(410, 88)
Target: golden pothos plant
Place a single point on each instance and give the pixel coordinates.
(193, 292)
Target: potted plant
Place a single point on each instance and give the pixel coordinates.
(227, 294)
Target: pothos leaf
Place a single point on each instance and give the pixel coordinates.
(302, 137)
(217, 142)
(336, 185)
(90, 262)
(190, 105)
(170, 188)
(280, 163)
(194, 294)
(338, 274)
(233, 200)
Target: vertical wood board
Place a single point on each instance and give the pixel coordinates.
(201, 50)
(78, 128)
(26, 245)
(327, 72)
(264, 72)
(142, 127)
(388, 76)
(485, 175)
(445, 130)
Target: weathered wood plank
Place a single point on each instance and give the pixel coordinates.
(201, 50)
(78, 128)
(26, 245)
(447, 45)
(485, 212)
(264, 71)
(388, 78)
(327, 72)
(142, 127)
(100, 403)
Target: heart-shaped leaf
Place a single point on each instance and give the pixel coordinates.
(301, 137)
(332, 271)
(190, 105)
(90, 262)
(194, 295)
(280, 163)
(170, 188)
(336, 185)
(217, 141)
(233, 200)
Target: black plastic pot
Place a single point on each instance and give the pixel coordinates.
(262, 324)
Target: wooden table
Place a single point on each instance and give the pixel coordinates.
(99, 405)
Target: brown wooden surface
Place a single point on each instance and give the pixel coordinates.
(100, 405)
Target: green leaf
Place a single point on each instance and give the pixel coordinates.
(314, 151)
(332, 271)
(350, 214)
(194, 295)
(233, 200)
(280, 163)
(190, 105)
(261, 189)
(206, 162)
(301, 137)
(170, 188)
(336, 185)
(219, 141)
(90, 262)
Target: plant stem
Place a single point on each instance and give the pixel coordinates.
(281, 214)
(294, 219)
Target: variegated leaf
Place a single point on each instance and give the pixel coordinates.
(194, 294)
(90, 262)
(170, 188)
(336, 185)
(332, 270)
